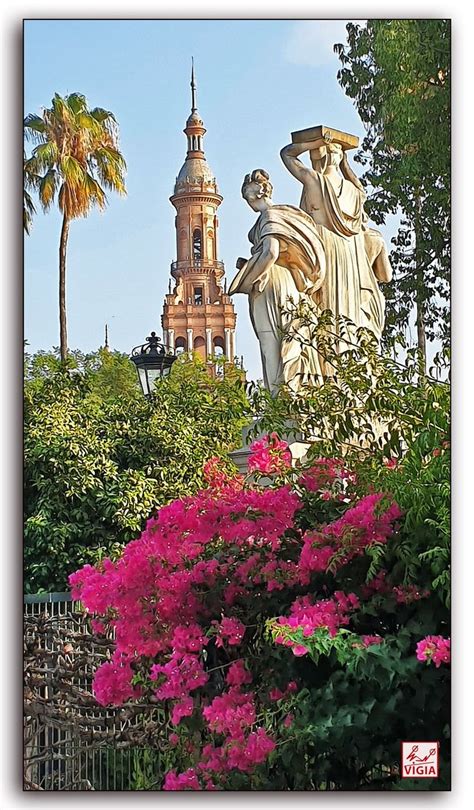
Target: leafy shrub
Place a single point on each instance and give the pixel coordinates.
(99, 457)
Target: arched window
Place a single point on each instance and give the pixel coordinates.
(197, 244)
(218, 346)
(180, 345)
(200, 347)
(218, 343)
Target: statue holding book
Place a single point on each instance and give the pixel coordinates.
(356, 255)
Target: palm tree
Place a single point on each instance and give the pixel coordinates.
(28, 209)
(30, 182)
(76, 157)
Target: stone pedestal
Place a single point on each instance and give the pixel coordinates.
(240, 457)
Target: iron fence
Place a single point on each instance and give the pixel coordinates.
(71, 743)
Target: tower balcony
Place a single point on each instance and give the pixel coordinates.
(184, 268)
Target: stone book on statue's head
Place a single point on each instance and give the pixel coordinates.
(322, 135)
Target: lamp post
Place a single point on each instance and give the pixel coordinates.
(152, 361)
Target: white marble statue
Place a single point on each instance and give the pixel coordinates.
(356, 256)
(287, 264)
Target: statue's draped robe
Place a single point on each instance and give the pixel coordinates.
(295, 277)
(350, 287)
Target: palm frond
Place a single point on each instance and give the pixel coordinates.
(46, 154)
(72, 171)
(47, 188)
(77, 102)
(34, 122)
(95, 192)
(28, 210)
(59, 105)
(28, 200)
(110, 166)
(111, 179)
(31, 173)
(59, 117)
(34, 128)
(102, 115)
(88, 122)
(111, 155)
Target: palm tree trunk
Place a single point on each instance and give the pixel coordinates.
(62, 288)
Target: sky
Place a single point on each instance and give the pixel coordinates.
(257, 80)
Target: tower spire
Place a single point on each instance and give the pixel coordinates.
(194, 129)
(193, 87)
(196, 314)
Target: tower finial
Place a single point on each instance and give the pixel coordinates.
(106, 344)
(193, 87)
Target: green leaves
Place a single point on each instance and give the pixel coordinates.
(33, 124)
(99, 458)
(81, 146)
(398, 74)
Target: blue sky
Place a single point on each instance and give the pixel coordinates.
(257, 80)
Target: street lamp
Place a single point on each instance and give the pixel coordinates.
(152, 361)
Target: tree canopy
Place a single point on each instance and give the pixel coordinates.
(99, 457)
(398, 73)
(75, 160)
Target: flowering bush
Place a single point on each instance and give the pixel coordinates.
(269, 455)
(285, 657)
(434, 648)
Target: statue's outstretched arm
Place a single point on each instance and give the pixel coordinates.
(289, 155)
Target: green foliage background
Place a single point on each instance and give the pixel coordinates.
(398, 74)
(99, 458)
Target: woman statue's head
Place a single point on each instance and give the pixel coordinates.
(330, 154)
(257, 188)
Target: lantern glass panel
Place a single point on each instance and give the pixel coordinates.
(154, 374)
(142, 376)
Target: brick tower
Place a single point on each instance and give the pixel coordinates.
(198, 315)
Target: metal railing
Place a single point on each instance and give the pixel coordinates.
(70, 742)
(196, 265)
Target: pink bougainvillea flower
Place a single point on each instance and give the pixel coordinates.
(299, 650)
(231, 630)
(182, 709)
(434, 648)
(217, 477)
(329, 476)
(404, 594)
(182, 781)
(269, 455)
(367, 641)
(238, 675)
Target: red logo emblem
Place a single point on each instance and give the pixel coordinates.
(420, 760)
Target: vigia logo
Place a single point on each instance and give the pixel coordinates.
(420, 760)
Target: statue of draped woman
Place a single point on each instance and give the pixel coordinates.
(286, 267)
(356, 255)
